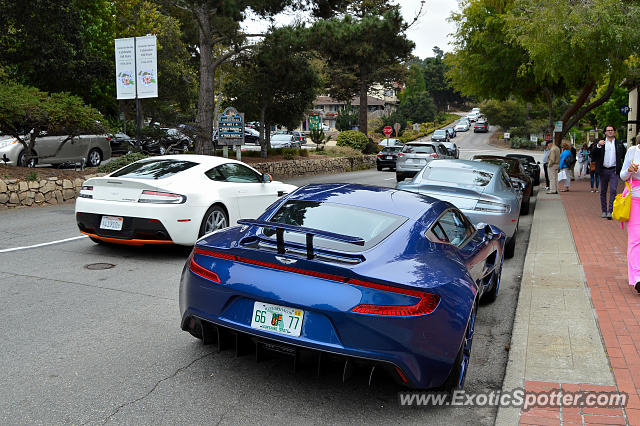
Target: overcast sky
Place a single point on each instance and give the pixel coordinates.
(431, 30)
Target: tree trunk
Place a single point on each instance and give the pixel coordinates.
(364, 106)
(263, 134)
(204, 118)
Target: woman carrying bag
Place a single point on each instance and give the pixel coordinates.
(630, 174)
(565, 163)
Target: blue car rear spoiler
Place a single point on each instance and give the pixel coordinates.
(309, 232)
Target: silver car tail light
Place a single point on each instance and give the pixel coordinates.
(490, 206)
(158, 197)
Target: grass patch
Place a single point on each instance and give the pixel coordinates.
(32, 177)
(339, 151)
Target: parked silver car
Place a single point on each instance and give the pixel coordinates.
(92, 148)
(415, 155)
(284, 141)
(482, 191)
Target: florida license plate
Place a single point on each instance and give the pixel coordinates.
(113, 223)
(279, 319)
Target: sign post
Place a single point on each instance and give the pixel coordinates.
(397, 129)
(136, 71)
(231, 131)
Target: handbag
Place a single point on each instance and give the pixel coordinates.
(622, 205)
(562, 174)
(592, 166)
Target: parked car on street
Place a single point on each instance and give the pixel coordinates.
(390, 142)
(93, 149)
(121, 143)
(440, 135)
(284, 140)
(516, 173)
(251, 136)
(415, 155)
(531, 166)
(299, 137)
(173, 199)
(480, 126)
(454, 152)
(387, 157)
(472, 116)
(366, 275)
(482, 191)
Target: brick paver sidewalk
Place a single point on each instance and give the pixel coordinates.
(601, 245)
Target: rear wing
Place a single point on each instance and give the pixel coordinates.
(309, 232)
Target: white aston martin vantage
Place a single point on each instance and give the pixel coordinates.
(173, 199)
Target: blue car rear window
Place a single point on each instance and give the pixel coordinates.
(154, 169)
(371, 225)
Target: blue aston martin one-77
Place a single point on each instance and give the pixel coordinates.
(373, 276)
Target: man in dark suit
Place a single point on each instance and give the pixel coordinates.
(609, 156)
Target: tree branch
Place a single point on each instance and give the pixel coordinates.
(583, 111)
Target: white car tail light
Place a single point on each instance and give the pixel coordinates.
(86, 191)
(489, 206)
(161, 197)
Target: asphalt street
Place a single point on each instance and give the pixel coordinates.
(90, 334)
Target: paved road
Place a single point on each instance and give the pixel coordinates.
(86, 345)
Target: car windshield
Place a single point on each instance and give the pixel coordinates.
(439, 132)
(507, 165)
(281, 137)
(154, 169)
(371, 225)
(456, 175)
(392, 149)
(418, 149)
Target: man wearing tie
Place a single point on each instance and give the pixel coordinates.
(609, 156)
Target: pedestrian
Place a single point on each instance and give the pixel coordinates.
(553, 161)
(565, 161)
(594, 176)
(609, 155)
(547, 148)
(630, 173)
(583, 160)
(572, 161)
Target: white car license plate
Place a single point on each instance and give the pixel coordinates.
(389, 157)
(280, 319)
(111, 222)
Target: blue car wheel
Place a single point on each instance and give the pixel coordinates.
(458, 373)
(492, 292)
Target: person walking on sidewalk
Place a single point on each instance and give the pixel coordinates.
(553, 161)
(630, 173)
(609, 155)
(583, 161)
(547, 148)
(572, 161)
(594, 176)
(564, 173)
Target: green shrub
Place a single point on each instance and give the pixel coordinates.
(339, 151)
(121, 161)
(352, 138)
(33, 177)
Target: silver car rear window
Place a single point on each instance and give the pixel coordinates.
(456, 175)
(419, 149)
(371, 225)
(154, 169)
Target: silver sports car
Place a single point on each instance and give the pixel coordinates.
(482, 191)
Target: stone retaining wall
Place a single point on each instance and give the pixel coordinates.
(53, 190)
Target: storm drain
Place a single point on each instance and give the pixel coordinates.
(99, 266)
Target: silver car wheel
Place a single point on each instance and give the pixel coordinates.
(216, 220)
(94, 158)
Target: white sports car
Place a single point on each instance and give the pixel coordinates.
(173, 199)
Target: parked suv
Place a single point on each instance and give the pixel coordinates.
(92, 148)
(415, 155)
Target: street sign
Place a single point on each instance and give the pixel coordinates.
(416, 127)
(557, 126)
(397, 128)
(230, 127)
(387, 131)
(624, 110)
(507, 135)
(533, 138)
(314, 122)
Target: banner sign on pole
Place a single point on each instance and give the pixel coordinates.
(147, 66)
(125, 69)
(230, 127)
(314, 122)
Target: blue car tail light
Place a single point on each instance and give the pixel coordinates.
(427, 303)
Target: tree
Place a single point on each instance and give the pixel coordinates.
(415, 83)
(419, 108)
(25, 112)
(276, 83)
(366, 46)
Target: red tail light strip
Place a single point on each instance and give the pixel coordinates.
(427, 304)
(203, 272)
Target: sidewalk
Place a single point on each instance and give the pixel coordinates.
(577, 324)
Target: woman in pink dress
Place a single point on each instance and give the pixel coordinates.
(630, 173)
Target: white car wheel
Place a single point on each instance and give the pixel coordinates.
(94, 158)
(215, 218)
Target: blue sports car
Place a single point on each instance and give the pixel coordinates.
(372, 276)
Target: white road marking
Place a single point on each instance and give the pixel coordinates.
(42, 244)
